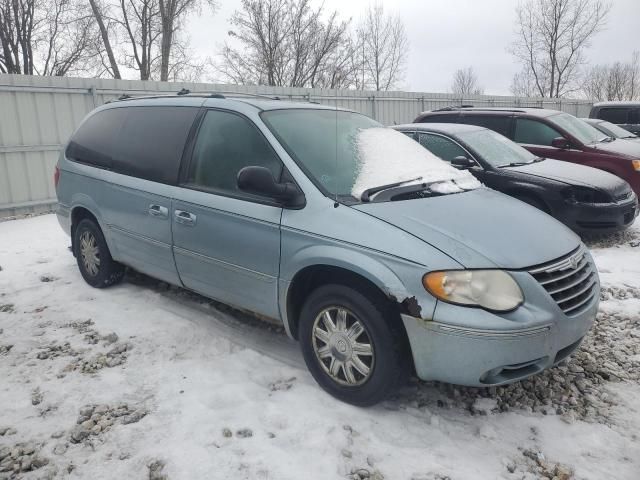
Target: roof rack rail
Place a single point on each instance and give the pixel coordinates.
(452, 107)
(186, 92)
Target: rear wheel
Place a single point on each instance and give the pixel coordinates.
(349, 346)
(94, 259)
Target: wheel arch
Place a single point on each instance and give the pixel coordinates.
(350, 268)
(84, 207)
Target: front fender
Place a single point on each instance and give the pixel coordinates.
(357, 262)
(379, 269)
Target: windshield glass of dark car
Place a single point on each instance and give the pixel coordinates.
(615, 131)
(577, 128)
(496, 149)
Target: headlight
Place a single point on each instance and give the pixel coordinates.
(491, 289)
(636, 165)
(585, 195)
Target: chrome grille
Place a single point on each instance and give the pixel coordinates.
(570, 281)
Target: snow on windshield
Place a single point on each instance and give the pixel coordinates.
(386, 156)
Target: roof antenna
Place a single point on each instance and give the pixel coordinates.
(184, 91)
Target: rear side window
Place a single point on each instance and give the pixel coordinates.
(617, 115)
(93, 142)
(144, 142)
(227, 143)
(440, 118)
(151, 142)
(533, 132)
(442, 147)
(496, 123)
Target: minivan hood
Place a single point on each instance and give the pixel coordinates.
(480, 228)
(573, 174)
(619, 147)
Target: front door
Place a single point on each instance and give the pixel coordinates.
(536, 136)
(227, 242)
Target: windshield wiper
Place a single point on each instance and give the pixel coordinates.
(515, 164)
(366, 195)
(607, 140)
(390, 193)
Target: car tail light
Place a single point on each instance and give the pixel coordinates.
(56, 176)
(636, 165)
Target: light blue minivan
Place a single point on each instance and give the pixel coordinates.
(379, 258)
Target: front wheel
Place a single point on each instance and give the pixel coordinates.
(349, 345)
(94, 259)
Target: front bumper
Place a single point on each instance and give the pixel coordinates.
(455, 348)
(602, 218)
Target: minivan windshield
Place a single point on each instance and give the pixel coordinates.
(495, 149)
(577, 128)
(346, 153)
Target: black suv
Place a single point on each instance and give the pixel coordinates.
(623, 114)
(551, 134)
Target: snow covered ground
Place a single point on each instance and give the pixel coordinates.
(166, 384)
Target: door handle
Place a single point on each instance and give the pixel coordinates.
(185, 218)
(158, 211)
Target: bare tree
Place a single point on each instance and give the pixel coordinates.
(619, 81)
(18, 24)
(465, 82)
(52, 37)
(552, 36)
(383, 45)
(523, 84)
(172, 13)
(286, 42)
(112, 66)
(140, 22)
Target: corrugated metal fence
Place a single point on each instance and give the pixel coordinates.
(37, 115)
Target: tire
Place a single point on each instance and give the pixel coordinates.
(88, 242)
(387, 364)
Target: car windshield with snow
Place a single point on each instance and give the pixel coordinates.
(378, 257)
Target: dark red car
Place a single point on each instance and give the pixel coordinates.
(551, 134)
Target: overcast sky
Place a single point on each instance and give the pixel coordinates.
(445, 35)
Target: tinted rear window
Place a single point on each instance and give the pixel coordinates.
(440, 118)
(144, 142)
(496, 123)
(93, 141)
(617, 115)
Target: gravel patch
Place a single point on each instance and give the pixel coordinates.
(533, 462)
(114, 357)
(7, 308)
(21, 458)
(156, 472)
(55, 350)
(626, 237)
(95, 420)
(5, 349)
(36, 397)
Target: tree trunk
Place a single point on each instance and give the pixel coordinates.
(105, 39)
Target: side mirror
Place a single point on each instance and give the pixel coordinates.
(462, 162)
(260, 181)
(561, 143)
